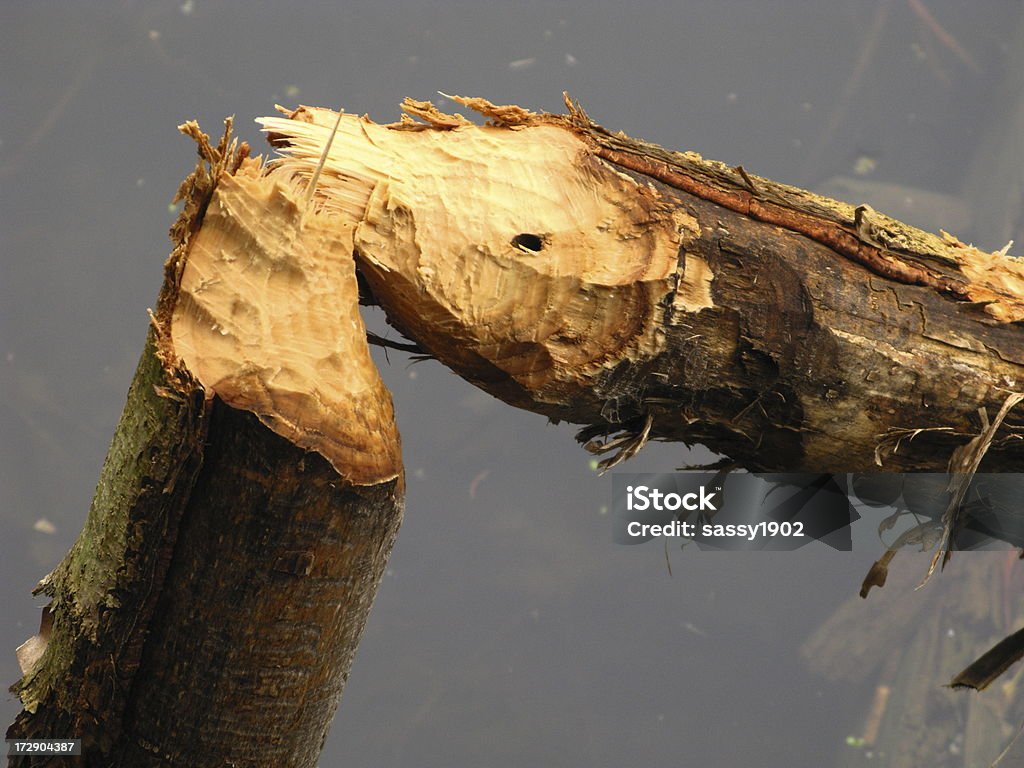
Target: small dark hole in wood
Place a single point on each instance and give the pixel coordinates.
(528, 242)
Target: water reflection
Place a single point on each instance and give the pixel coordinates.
(902, 643)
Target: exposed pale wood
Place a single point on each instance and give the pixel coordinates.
(267, 317)
(439, 213)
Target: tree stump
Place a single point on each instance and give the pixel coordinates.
(209, 612)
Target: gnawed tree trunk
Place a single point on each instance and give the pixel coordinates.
(607, 282)
(209, 612)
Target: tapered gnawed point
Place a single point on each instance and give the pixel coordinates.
(510, 252)
(267, 319)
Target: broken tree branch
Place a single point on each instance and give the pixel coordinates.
(611, 283)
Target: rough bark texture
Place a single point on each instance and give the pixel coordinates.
(608, 282)
(209, 612)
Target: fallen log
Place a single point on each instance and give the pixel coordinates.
(648, 294)
(209, 612)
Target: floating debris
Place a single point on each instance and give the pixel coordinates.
(475, 482)
(864, 165)
(522, 63)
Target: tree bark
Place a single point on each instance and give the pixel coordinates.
(607, 282)
(209, 612)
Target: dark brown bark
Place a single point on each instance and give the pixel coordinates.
(264, 602)
(837, 333)
(813, 362)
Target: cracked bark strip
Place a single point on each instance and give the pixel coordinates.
(750, 203)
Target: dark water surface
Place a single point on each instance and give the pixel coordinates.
(509, 630)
